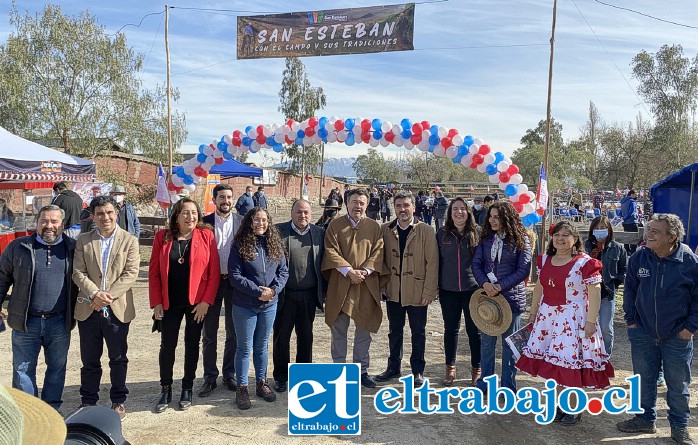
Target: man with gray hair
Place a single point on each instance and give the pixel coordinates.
(409, 282)
(661, 308)
(39, 268)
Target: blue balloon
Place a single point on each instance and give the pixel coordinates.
(457, 159)
(248, 128)
(299, 141)
(188, 180)
(376, 124)
(406, 134)
(511, 190)
(201, 158)
(434, 129)
(202, 147)
(225, 148)
(227, 156)
(278, 148)
(179, 171)
(491, 169)
(246, 141)
(322, 133)
(322, 121)
(270, 141)
(222, 146)
(350, 139)
(406, 124)
(434, 139)
(377, 135)
(349, 123)
(498, 157)
(300, 134)
(431, 148)
(462, 150)
(468, 141)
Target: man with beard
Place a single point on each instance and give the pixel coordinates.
(225, 224)
(409, 283)
(304, 291)
(105, 305)
(71, 203)
(352, 264)
(40, 311)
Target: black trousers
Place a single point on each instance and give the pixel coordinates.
(630, 248)
(298, 311)
(171, 322)
(452, 305)
(396, 323)
(210, 335)
(94, 332)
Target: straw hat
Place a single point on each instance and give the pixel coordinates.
(25, 419)
(492, 315)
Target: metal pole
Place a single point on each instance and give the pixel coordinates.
(690, 206)
(169, 109)
(547, 127)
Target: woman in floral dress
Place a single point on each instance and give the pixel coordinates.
(565, 343)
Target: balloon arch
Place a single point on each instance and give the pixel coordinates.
(441, 141)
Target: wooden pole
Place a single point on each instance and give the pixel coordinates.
(544, 234)
(169, 108)
(322, 170)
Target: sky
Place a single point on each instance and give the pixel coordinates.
(480, 66)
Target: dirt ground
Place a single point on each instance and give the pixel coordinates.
(215, 420)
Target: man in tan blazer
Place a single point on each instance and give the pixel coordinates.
(105, 269)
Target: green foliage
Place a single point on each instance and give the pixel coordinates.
(374, 167)
(65, 79)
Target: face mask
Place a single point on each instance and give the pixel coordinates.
(53, 194)
(600, 234)
(261, 193)
(477, 206)
(119, 198)
(331, 213)
(249, 193)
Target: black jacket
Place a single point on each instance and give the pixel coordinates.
(17, 270)
(317, 236)
(71, 203)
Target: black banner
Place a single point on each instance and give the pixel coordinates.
(328, 32)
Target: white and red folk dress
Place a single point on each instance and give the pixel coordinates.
(558, 348)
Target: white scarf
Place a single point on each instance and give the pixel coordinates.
(497, 246)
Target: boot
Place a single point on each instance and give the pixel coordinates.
(450, 375)
(165, 398)
(185, 399)
(475, 375)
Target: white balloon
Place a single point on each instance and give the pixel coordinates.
(489, 158)
(397, 129)
(208, 151)
(494, 179)
(227, 139)
(329, 126)
(176, 180)
(532, 196)
(252, 134)
(243, 149)
(482, 167)
(529, 208)
(443, 132)
(423, 145)
(408, 144)
(386, 126)
(384, 142)
(457, 140)
(217, 153)
(516, 179)
(473, 149)
(279, 138)
(373, 143)
(331, 137)
(399, 141)
(426, 134)
(479, 141)
(502, 166)
(439, 150)
(509, 161)
(342, 136)
(190, 187)
(254, 147)
(452, 152)
(523, 188)
(295, 126)
(357, 131)
(467, 160)
(333, 119)
(188, 169)
(308, 141)
(503, 185)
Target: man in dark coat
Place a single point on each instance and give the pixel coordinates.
(71, 203)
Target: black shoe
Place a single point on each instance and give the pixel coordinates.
(637, 425)
(571, 419)
(367, 381)
(242, 398)
(388, 374)
(418, 380)
(207, 388)
(280, 386)
(165, 399)
(559, 414)
(185, 399)
(230, 384)
(264, 391)
(681, 436)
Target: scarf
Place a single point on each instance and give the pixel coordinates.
(497, 246)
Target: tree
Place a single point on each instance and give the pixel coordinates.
(300, 101)
(65, 79)
(629, 155)
(374, 167)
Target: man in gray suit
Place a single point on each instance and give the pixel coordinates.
(225, 224)
(304, 292)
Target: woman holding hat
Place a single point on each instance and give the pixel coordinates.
(502, 262)
(331, 212)
(457, 240)
(565, 344)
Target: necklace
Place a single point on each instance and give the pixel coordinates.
(181, 254)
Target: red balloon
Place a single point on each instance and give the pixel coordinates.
(366, 125)
(524, 199)
(218, 161)
(260, 129)
(261, 139)
(171, 187)
(212, 146)
(290, 122)
(446, 142)
(473, 165)
(484, 149)
(513, 169)
(452, 132)
(389, 136)
(237, 141)
(517, 206)
(478, 159)
(505, 177)
(416, 139)
(426, 125)
(288, 140)
(540, 211)
(365, 136)
(312, 122)
(417, 128)
(310, 131)
(236, 134)
(198, 171)
(339, 125)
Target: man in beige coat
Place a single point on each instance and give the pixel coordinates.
(409, 283)
(105, 269)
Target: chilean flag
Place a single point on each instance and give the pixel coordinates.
(542, 195)
(162, 196)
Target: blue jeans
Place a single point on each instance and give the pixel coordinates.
(606, 313)
(252, 328)
(488, 347)
(674, 355)
(49, 333)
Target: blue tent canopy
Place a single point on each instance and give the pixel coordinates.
(232, 168)
(677, 194)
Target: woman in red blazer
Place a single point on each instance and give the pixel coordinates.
(183, 280)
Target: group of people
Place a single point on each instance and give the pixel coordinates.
(272, 278)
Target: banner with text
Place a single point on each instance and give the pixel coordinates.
(325, 33)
